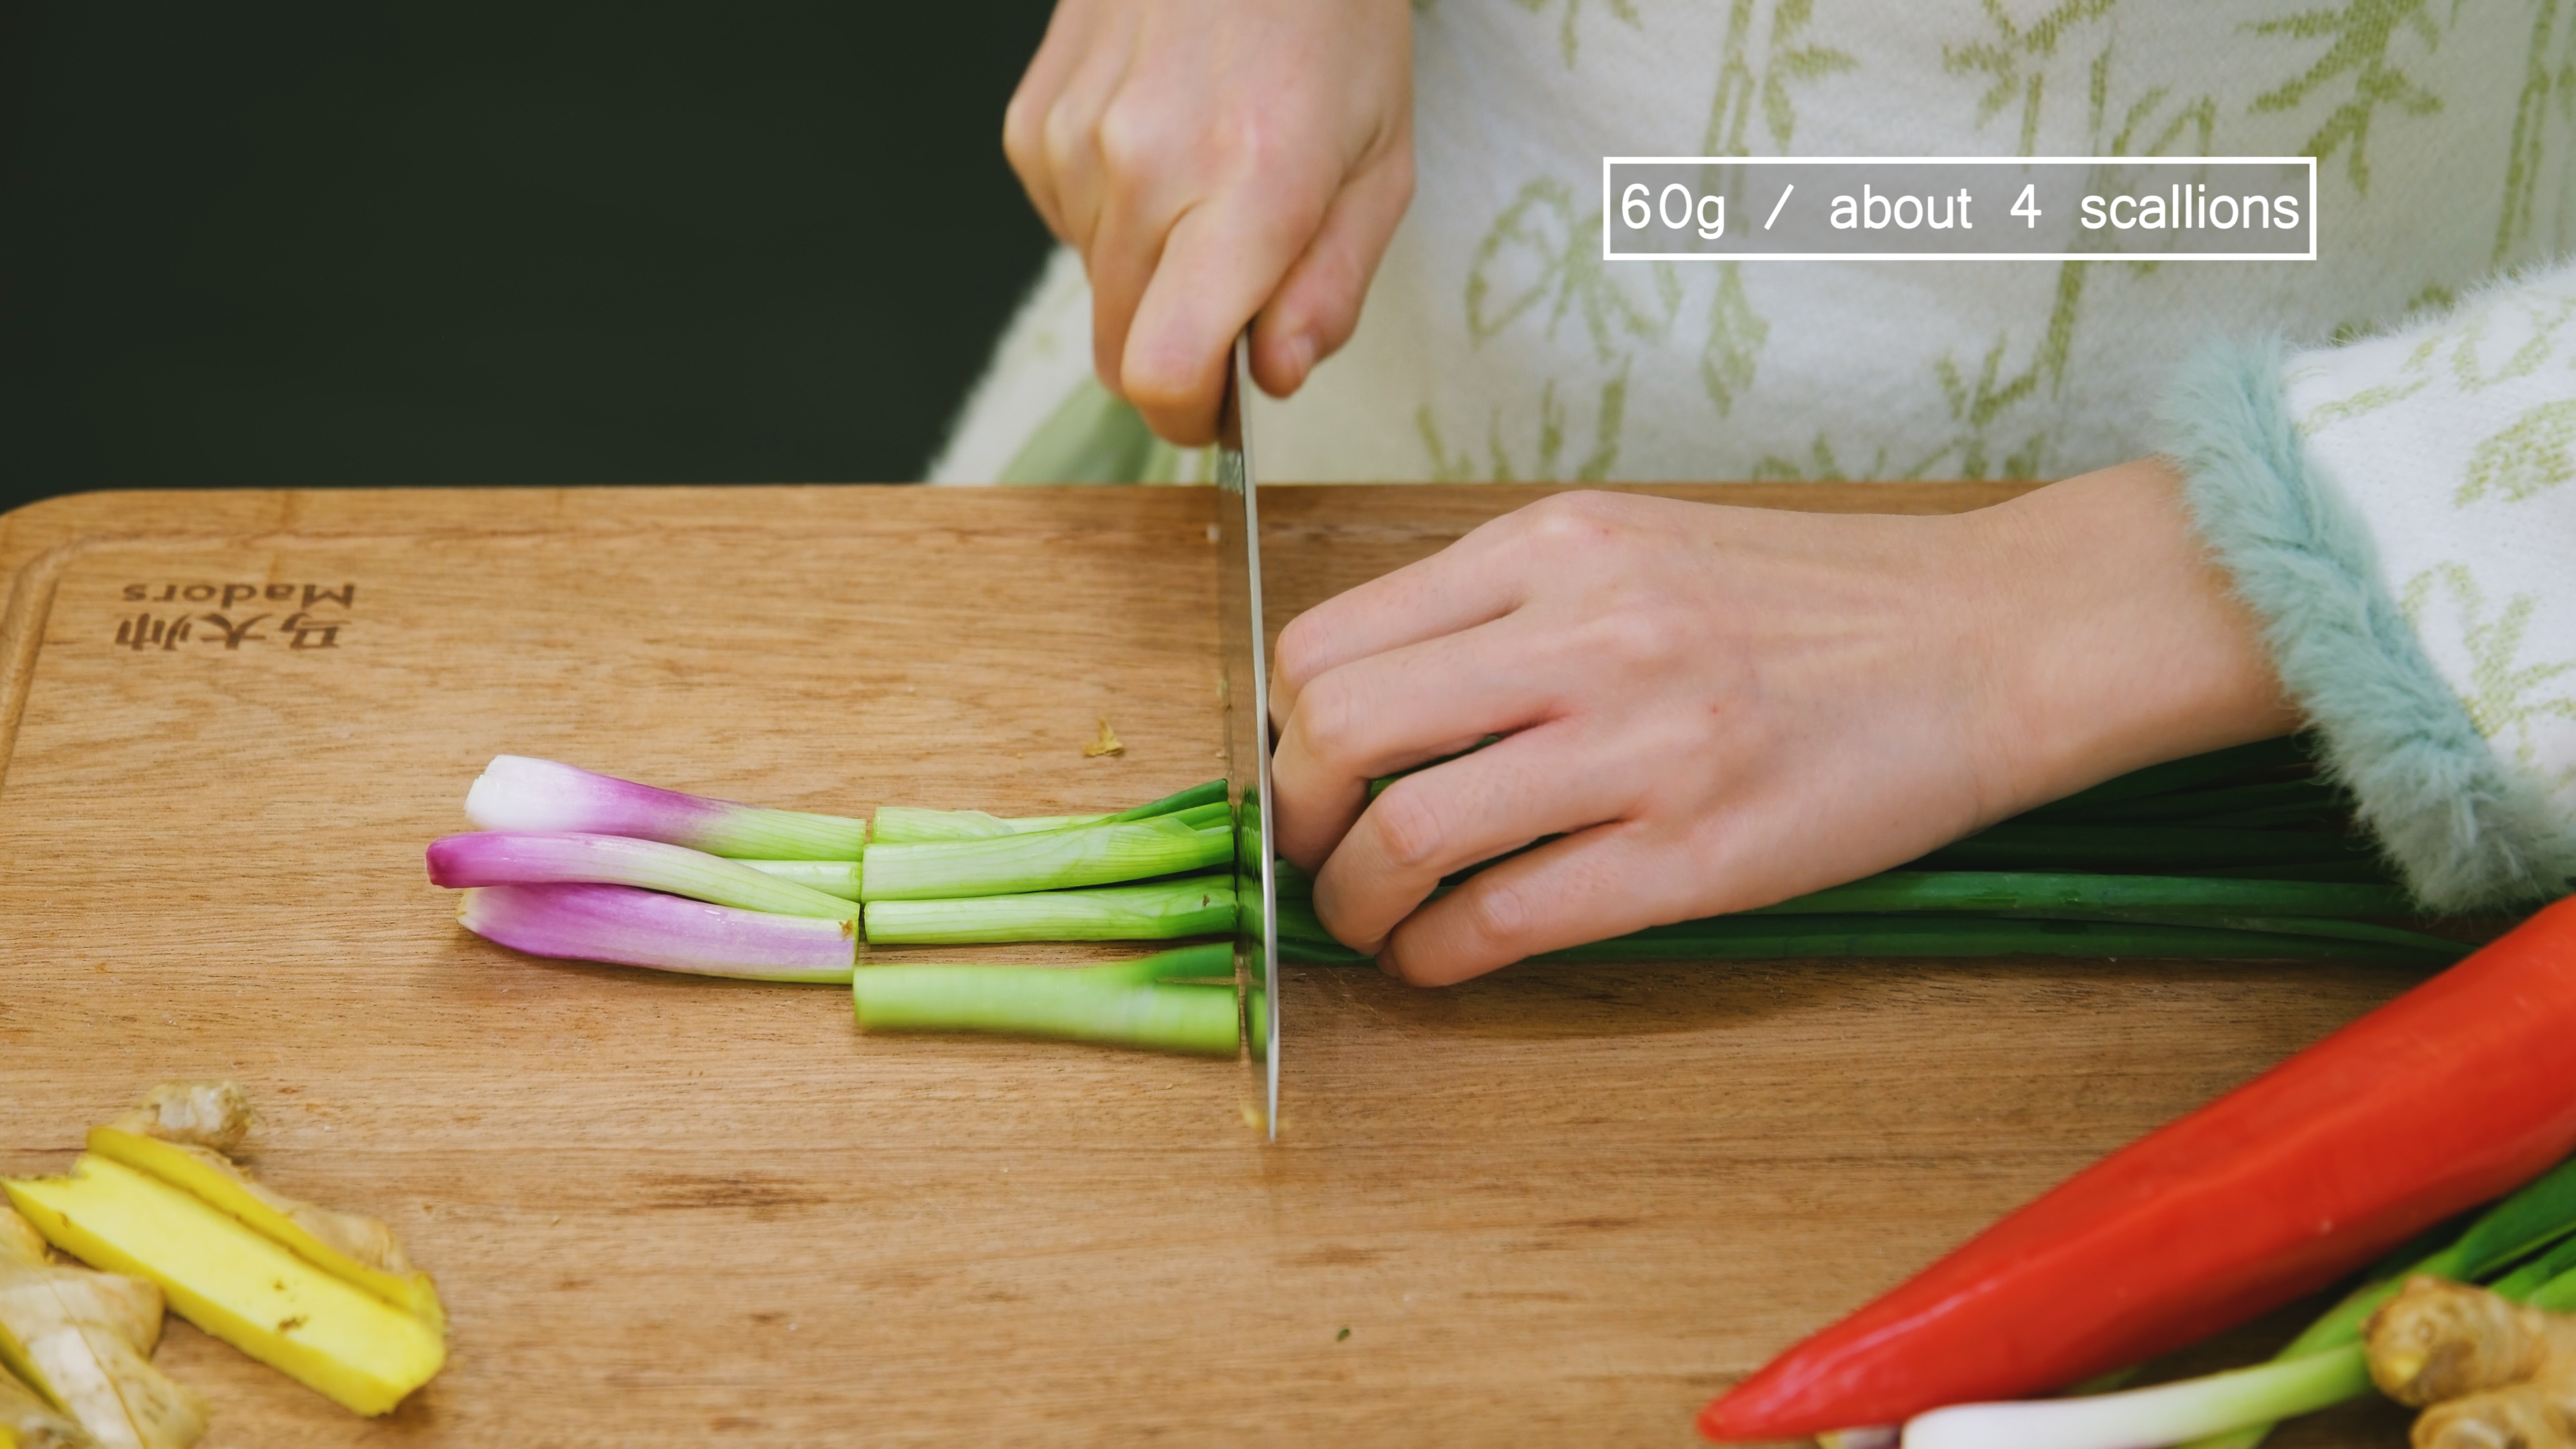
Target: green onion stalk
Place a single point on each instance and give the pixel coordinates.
(517, 793)
(1991, 913)
(1082, 855)
(1198, 905)
(911, 825)
(527, 858)
(2242, 853)
(1180, 1001)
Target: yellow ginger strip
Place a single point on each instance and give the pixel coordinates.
(358, 1249)
(183, 1122)
(236, 1284)
(81, 1341)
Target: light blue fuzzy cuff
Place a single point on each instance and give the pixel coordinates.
(2464, 833)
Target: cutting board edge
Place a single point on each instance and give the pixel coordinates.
(40, 541)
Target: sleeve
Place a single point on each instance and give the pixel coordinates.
(2400, 513)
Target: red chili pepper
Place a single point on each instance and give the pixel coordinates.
(2454, 1093)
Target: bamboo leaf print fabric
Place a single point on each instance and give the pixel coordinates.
(1496, 344)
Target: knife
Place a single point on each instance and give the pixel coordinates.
(1246, 691)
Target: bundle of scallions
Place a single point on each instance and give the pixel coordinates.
(2244, 853)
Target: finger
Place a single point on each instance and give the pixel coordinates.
(1317, 306)
(1221, 260)
(1070, 141)
(1431, 825)
(1024, 119)
(1390, 712)
(1155, 161)
(1481, 577)
(1606, 881)
(1425, 600)
(1125, 251)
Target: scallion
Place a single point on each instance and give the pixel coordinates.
(1044, 860)
(831, 877)
(1154, 911)
(631, 927)
(1138, 1003)
(513, 857)
(912, 825)
(2165, 1414)
(519, 793)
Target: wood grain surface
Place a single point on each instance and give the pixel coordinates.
(1555, 1206)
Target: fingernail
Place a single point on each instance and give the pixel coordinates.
(1302, 348)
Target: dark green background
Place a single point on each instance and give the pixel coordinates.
(255, 243)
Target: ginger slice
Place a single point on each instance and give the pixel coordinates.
(359, 1249)
(180, 1134)
(328, 1298)
(2488, 1373)
(245, 1288)
(206, 1120)
(81, 1341)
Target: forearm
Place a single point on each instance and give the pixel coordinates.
(2111, 639)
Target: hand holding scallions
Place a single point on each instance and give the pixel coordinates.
(1712, 709)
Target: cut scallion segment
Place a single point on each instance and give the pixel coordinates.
(912, 825)
(1043, 861)
(831, 877)
(513, 857)
(1078, 1004)
(1207, 961)
(519, 793)
(1211, 793)
(1156, 911)
(631, 927)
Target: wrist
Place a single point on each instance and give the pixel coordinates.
(2113, 640)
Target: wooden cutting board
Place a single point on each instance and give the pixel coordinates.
(1556, 1206)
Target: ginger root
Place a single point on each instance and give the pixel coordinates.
(2488, 1373)
(328, 1298)
(82, 1343)
(200, 1114)
(202, 1121)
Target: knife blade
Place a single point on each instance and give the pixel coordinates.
(1246, 689)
